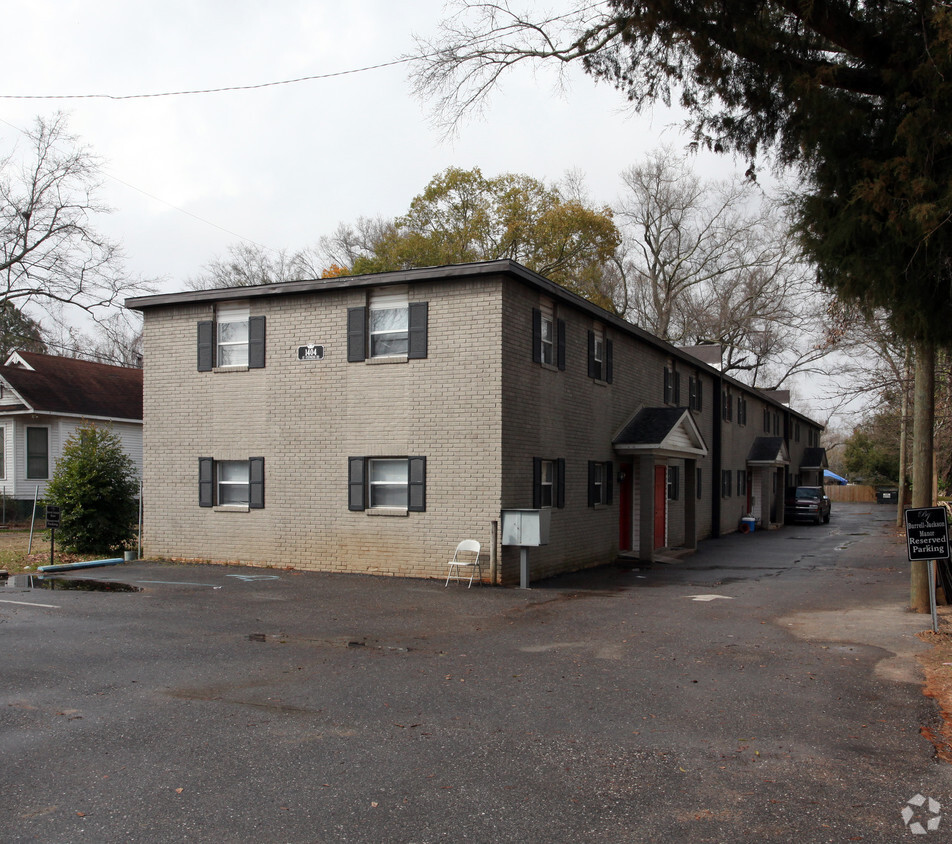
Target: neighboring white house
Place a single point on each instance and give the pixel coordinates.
(44, 398)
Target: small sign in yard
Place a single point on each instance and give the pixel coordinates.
(52, 516)
(927, 533)
(927, 540)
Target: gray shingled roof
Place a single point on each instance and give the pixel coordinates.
(650, 426)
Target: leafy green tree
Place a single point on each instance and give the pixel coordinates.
(463, 216)
(872, 450)
(95, 484)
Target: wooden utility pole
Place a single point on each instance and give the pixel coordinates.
(904, 439)
(922, 449)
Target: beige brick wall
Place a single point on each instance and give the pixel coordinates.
(307, 418)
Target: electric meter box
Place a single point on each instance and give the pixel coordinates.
(526, 528)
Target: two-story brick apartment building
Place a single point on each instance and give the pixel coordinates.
(369, 423)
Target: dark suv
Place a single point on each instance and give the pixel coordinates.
(806, 504)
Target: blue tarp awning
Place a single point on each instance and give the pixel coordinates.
(831, 476)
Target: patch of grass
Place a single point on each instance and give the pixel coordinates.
(15, 543)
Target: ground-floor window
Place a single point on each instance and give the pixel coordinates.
(37, 453)
(725, 483)
(599, 483)
(231, 483)
(387, 483)
(548, 482)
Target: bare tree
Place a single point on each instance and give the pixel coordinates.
(713, 262)
(50, 251)
(249, 264)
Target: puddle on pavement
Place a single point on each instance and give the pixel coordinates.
(85, 584)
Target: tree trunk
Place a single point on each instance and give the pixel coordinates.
(922, 450)
(903, 441)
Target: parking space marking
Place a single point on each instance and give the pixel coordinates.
(179, 583)
(249, 578)
(30, 604)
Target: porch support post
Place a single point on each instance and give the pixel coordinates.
(690, 504)
(646, 520)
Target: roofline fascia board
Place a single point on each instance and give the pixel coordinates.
(65, 415)
(659, 450)
(502, 266)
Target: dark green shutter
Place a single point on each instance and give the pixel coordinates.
(417, 318)
(609, 363)
(560, 482)
(592, 493)
(592, 365)
(667, 386)
(609, 482)
(356, 499)
(206, 482)
(536, 335)
(256, 483)
(356, 337)
(256, 342)
(417, 473)
(206, 346)
(560, 326)
(677, 389)
(536, 482)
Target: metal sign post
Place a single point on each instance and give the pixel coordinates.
(52, 522)
(927, 539)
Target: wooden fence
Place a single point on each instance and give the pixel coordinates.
(853, 493)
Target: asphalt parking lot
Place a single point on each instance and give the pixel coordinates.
(764, 689)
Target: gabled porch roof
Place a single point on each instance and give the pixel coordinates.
(663, 431)
(814, 458)
(768, 451)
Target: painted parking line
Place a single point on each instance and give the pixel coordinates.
(30, 604)
(709, 597)
(251, 578)
(179, 583)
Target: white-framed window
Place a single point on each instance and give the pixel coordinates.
(234, 479)
(231, 320)
(389, 482)
(231, 484)
(599, 483)
(390, 485)
(547, 483)
(389, 323)
(547, 336)
(3, 453)
(37, 453)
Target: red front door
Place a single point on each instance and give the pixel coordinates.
(624, 504)
(660, 504)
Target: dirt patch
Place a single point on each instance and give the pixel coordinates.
(937, 666)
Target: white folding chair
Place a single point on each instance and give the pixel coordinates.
(467, 555)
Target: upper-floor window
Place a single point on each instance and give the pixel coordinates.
(599, 355)
(695, 393)
(548, 337)
(741, 410)
(389, 323)
(672, 386)
(388, 327)
(233, 339)
(727, 402)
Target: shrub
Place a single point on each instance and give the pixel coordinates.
(95, 486)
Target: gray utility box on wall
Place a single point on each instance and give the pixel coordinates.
(527, 529)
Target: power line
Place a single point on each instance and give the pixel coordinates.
(205, 90)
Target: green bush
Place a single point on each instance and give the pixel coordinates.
(95, 486)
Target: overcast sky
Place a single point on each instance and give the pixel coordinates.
(280, 166)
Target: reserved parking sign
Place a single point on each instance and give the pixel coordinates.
(927, 533)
